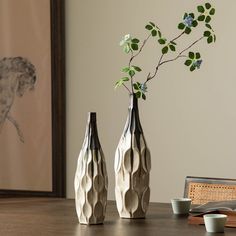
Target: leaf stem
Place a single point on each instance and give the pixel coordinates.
(177, 37)
(180, 54)
(127, 88)
(140, 49)
(160, 62)
(131, 77)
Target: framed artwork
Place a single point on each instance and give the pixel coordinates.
(32, 98)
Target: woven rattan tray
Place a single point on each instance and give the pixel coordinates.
(203, 190)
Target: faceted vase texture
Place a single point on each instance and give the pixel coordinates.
(132, 168)
(91, 180)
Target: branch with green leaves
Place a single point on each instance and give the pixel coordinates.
(134, 47)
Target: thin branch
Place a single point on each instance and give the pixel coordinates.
(127, 88)
(163, 62)
(170, 60)
(160, 60)
(140, 49)
(156, 69)
(177, 37)
(180, 54)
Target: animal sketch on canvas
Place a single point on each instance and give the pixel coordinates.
(17, 75)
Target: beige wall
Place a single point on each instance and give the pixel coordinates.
(189, 119)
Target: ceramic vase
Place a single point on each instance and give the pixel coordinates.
(91, 180)
(132, 168)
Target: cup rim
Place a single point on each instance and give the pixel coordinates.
(182, 199)
(214, 216)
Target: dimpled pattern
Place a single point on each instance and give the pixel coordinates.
(91, 187)
(91, 178)
(132, 168)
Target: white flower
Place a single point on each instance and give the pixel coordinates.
(125, 39)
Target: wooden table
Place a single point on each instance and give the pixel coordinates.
(26, 217)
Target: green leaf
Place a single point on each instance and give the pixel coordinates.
(208, 5)
(192, 68)
(118, 84)
(200, 9)
(212, 11)
(187, 30)
(207, 33)
(164, 50)
(135, 40)
(121, 81)
(194, 23)
(138, 94)
(126, 48)
(134, 46)
(191, 55)
(214, 37)
(198, 55)
(159, 33)
(137, 68)
(185, 15)
(148, 27)
(208, 26)
(192, 15)
(208, 19)
(210, 39)
(161, 41)
(188, 62)
(143, 96)
(151, 23)
(201, 18)
(172, 42)
(136, 87)
(125, 69)
(125, 79)
(181, 26)
(131, 73)
(172, 47)
(154, 33)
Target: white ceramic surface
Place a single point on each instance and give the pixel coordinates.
(181, 205)
(91, 181)
(215, 223)
(132, 168)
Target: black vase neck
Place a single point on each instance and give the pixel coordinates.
(133, 102)
(91, 136)
(133, 122)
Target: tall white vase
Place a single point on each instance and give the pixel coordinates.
(132, 168)
(91, 180)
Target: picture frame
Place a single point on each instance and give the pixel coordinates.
(57, 132)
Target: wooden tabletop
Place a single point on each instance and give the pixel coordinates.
(46, 217)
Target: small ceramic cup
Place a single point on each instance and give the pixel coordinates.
(215, 223)
(181, 206)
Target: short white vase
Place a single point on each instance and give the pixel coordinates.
(91, 180)
(132, 168)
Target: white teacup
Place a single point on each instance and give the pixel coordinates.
(215, 223)
(181, 206)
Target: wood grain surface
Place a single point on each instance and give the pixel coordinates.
(45, 217)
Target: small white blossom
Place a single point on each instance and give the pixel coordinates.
(125, 39)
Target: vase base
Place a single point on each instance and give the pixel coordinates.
(130, 216)
(91, 223)
(133, 218)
